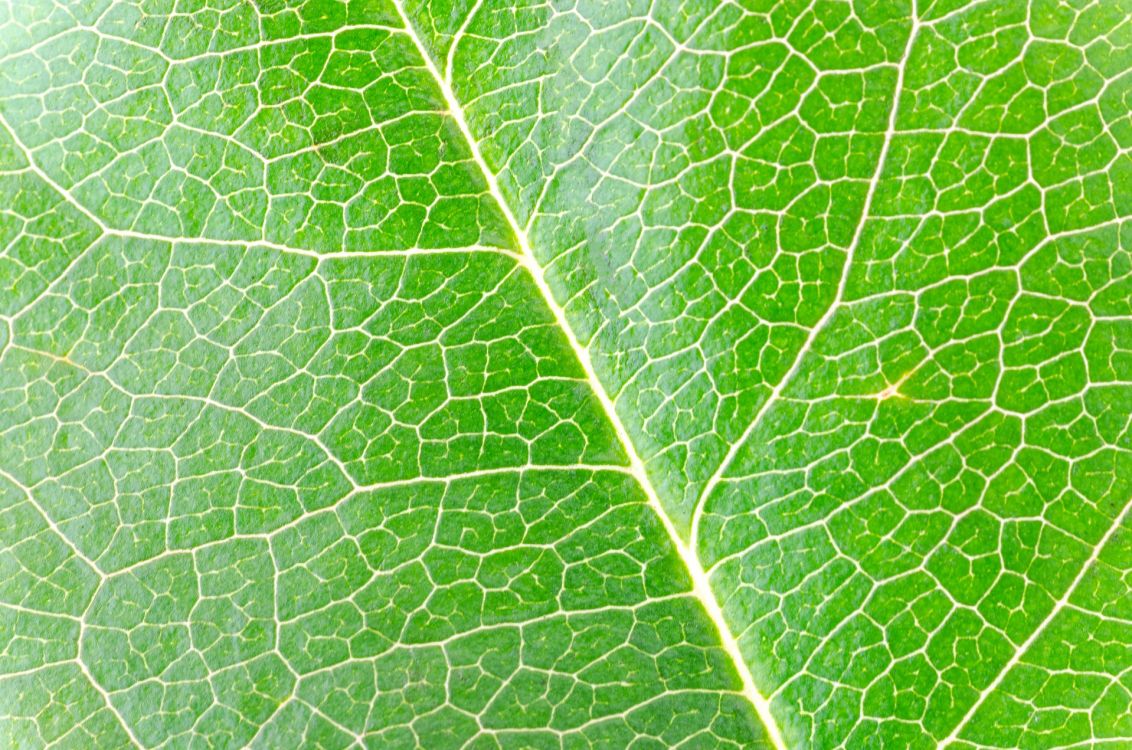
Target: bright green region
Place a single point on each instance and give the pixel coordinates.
(920, 361)
(1072, 685)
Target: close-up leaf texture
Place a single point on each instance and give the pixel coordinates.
(568, 374)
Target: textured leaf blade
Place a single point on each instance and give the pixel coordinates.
(372, 381)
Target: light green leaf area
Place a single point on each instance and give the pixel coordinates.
(502, 375)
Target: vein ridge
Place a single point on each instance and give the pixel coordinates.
(701, 587)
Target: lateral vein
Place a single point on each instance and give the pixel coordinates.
(776, 392)
(1049, 618)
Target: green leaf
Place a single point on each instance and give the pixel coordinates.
(439, 373)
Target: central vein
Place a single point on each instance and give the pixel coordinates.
(701, 586)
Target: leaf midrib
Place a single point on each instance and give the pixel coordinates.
(701, 587)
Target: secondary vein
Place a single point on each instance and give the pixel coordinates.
(776, 392)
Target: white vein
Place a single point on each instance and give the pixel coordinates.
(700, 583)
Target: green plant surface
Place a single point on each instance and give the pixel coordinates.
(583, 375)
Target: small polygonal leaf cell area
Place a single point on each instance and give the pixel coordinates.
(566, 374)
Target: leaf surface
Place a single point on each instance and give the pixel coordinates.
(503, 375)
